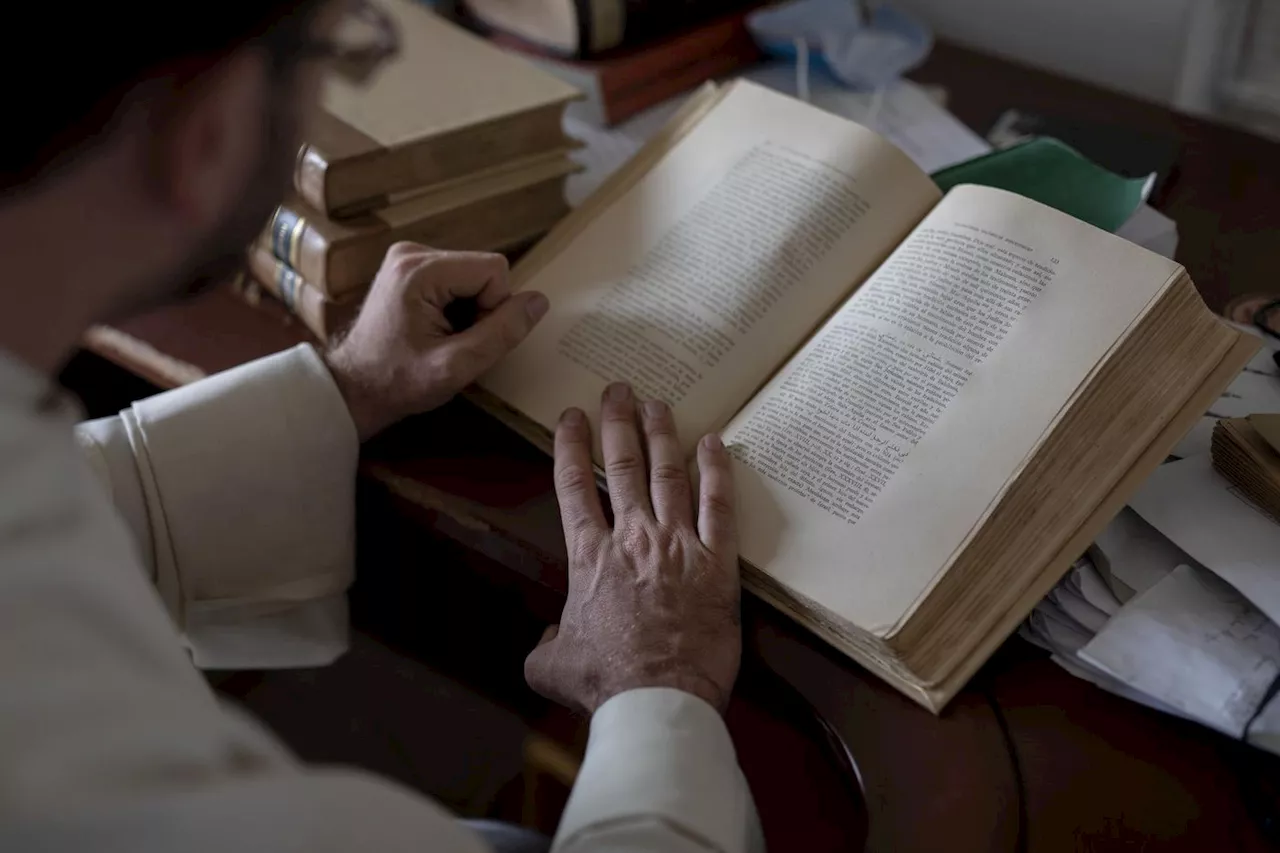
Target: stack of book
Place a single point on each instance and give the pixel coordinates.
(625, 55)
(1244, 451)
(454, 144)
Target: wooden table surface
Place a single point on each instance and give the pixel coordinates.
(1026, 757)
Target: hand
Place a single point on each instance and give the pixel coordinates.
(653, 601)
(403, 357)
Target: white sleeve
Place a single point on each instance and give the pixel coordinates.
(240, 492)
(109, 739)
(660, 776)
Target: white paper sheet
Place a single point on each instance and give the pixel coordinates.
(1136, 553)
(1057, 634)
(1250, 393)
(1205, 516)
(1150, 228)
(1080, 611)
(1087, 672)
(1198, 441)
(1084, 578)
(1195, 644)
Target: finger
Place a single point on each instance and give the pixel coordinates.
(474, 350)
(717, 519)
(623, 458)
(580, 512)
(668, 477)
(445, 276)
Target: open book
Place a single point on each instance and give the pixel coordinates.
(934, 403)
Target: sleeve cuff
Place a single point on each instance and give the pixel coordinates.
(658, 753)
(249, 485)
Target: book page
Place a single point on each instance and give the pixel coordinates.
(871, 457)
(700, 281)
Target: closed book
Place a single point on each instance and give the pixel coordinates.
(586, 28)
(448, 104)
(340, 256)
(326, 318)
(626, 81)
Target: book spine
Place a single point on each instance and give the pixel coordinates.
(291, 239)
(606, 24)
(310, 177)
(324, 317)
(602, 24)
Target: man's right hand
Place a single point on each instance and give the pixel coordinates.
(653, 600)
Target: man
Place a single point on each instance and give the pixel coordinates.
(214, 524)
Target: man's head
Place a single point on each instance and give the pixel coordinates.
(146, 164)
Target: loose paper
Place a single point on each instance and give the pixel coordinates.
(1195, 644)
(1208, 518)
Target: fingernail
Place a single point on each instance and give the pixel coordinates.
(618, 392)
(537, 306)
(713, 443)
(572, 417)
(654, 408)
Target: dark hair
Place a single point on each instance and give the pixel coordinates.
(96, 56)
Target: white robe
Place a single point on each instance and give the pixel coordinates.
(215, 524)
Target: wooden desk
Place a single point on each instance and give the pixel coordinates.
(1026, 755)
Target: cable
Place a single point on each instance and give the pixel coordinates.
(1015, 764)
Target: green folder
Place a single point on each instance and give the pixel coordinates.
(1053, 173)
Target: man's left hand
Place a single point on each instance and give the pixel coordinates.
(402, 355)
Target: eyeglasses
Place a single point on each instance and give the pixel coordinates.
(364, 39)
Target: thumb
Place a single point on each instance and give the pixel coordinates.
(474, 350)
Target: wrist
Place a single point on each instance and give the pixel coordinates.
(698, 686)
(362, 403)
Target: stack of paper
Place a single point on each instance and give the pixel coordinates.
(1245, 452)
(1176, 606)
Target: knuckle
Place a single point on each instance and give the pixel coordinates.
(624, 465)
(404, 247)
(669, 474)
(574, 480)
(403, 266)
(717, 504)
(637, 544)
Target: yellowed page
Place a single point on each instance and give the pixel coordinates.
(704, 276)
(869, 459)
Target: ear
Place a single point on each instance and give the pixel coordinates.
(211, 142)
